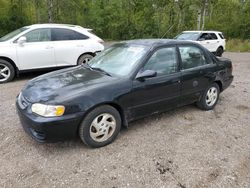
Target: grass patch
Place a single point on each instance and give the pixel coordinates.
(238, 45)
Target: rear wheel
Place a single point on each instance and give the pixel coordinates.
(100, 126)
(85, 58)
(219, 51)
(7, 71)
(209, 98)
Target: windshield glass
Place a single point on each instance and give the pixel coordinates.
(119, 59)
(12, 34)
(188, 36)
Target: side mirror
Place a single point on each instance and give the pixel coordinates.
(146, 74)
(22, 40)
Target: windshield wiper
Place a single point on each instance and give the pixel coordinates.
(86, 65)
(100, 70)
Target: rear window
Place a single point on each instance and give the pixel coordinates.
(221, 35)
(59, 34)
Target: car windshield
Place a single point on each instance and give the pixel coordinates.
(188, 36)
(119, 59)
(12, 34)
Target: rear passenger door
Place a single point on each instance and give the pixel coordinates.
(197, 72)
(69, 45)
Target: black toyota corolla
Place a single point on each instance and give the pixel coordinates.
(127, 81)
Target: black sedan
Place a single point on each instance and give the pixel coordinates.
(127, 81)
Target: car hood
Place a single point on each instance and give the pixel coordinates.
(64, 84)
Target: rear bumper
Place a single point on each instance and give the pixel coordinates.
(227, 82)
(49, 129)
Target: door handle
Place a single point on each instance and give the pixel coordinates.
(208, 42)
(79, 45)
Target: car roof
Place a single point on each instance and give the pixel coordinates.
(53, 25)
(199, 31)
(155, 42)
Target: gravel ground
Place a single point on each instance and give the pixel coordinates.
(181, 148)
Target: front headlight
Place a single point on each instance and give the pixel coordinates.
(48, 110)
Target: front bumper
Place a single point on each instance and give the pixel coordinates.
(49, 129)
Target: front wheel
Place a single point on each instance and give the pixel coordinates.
(209, 98)
(7, 71)
(100, 127)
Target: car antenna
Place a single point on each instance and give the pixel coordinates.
(167, 31)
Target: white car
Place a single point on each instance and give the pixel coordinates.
(42, 46)
(214, 41)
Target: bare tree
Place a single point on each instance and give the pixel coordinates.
(50, 10)
(204, 6)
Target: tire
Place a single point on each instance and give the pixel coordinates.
(100, 127)
(84, 59)
(211, 94)
(219, 51)
(7, 71)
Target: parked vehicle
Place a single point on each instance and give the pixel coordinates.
(46, 46)
(214, 41)
(127, 81)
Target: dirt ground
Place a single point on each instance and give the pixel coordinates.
(182, 148)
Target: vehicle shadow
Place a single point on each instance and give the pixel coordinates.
(30, 75)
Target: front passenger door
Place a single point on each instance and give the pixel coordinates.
(161, 92)
(38, 51)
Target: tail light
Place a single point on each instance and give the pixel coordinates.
(100, 41)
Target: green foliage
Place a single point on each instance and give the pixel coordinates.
(129, 19)
(238, 45)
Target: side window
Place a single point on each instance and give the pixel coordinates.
(163, 61)
(205, 36)
(38, 35)
(59, 34)
(191, 57)
(213, 36)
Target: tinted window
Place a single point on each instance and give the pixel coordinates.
(206, 36)
(66, 34)
(221, 35)
(213, 36)
(38, 35)
(163, 61)
(192, 57)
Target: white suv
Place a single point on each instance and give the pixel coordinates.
(45, 46)
(214, 41)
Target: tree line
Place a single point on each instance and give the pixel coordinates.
(129, 19)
